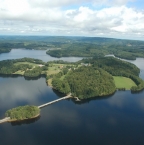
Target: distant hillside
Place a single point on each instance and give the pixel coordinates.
(60, 46)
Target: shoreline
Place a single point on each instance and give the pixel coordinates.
(14, 120)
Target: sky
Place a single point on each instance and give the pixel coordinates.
(93, 18)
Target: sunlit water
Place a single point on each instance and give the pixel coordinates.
(114, 120)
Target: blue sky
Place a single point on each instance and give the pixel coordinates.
(94, 18)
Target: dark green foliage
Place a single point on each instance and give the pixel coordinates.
(75, 46)
(99, 47)
(23, 112)
(115, 66)
(44, 68)
(8, 67)
(121, 89)
(118, 67)
(32, 60)
(78, 49)
(61, 85)
(139, 87)
(87, 82)
(34, 72)
(65, 71)
(2, 50)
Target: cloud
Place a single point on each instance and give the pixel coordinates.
(114, 19)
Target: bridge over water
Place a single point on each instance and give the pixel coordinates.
(46, 104)
(41, 106)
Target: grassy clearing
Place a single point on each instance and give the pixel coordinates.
(123, 82)
(53, 70)
(33, 64)
(49, 82)
(19, 72)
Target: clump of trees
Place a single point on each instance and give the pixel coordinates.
(3, 50)
(23, 112)
(85, 82)
(33, 73)
(8, 67)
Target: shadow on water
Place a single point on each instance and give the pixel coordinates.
(18, 75)
(74, 100)
(138, 92)
(59, 94)
(35, 78)
(29, 121)
(10, 75)
(91, 99)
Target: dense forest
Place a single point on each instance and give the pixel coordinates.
(85, 82)
(23, 112)
(59, 46)
(93, 77)
(117, 67)
(94, 50)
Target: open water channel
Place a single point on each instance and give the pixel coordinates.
(113, 120)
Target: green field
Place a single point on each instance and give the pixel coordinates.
(123, 82)
(33, 64)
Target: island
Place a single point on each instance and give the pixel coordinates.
(22, 113)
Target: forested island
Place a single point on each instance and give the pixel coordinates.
(22, 113)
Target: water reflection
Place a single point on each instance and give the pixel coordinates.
(18, 91)
(35, 78)
(88, 100)
(117, 119)
(38, 54)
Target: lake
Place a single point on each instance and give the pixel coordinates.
(113, 120)
(38, 54)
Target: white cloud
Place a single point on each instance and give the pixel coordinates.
(49, 17)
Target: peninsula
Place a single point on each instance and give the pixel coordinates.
(87, 78)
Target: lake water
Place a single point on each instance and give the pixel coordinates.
(114, 120)
(38, 54)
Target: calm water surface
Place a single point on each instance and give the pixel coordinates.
(114, 120)
(38, 54)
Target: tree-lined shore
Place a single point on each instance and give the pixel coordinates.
(84, 79)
